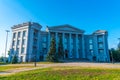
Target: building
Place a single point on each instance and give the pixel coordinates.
(30, 42)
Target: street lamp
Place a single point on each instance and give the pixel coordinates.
(112, 56)
(6, 44)
(111, 51)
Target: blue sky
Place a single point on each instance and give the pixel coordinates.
(89, 15)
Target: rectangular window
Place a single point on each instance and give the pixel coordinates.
(14, 35)
(100, 45)
(13, 43)
(17, 50)
(19, 33)
(18, 42)
(90, 41)
(44, 39)
(23, 49)
(91, 52)
(23, 42)
(44, 45)
(35, 42)
(100, 38)
(101, 51)
(65, 40)
(24, 33)
(91, 46)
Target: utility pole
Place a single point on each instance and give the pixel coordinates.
(6, 44)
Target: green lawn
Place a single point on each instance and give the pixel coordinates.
(5, 68)
(66, 73)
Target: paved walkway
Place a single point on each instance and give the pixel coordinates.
(78, 64)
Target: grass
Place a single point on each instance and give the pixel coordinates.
(66, 73)
(5, 68)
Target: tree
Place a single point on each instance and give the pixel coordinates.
(8, 52)
(60, 49)
(114, 55)
(14, 59)
(1, 59)
(52, 56)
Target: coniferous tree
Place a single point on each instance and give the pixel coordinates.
(14, 59)
(52, 56)
(60, 49)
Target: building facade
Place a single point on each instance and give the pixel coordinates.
(29, 42)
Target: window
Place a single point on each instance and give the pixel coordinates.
(18, 42)
(21, 58)
(17, 50)
(65, 40)
(91, 52)
(24, 33)
(23, 49)
(19, 33)
(100, 38)
(44, 45)
(23, 42)
(91, 46)
(36, 33)
(65, 46)
(13, 43)
(100, 45)
(101, 50)
(35, 42)
(44, 39)
(90, 41)
(14, 35)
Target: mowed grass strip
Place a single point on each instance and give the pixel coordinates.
(6, 68)
(66, 73)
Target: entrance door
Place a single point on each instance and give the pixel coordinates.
(66, 53)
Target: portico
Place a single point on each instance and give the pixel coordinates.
(72, 39)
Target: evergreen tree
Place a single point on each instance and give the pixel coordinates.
(14, 59)
(52, 56)
(60, 49)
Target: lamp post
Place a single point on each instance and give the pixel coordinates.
(6, 44)
(35, 61)
(111, 51)
(112, 56)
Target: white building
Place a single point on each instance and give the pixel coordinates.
(29, 41)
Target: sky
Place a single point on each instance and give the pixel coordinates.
(89, 15)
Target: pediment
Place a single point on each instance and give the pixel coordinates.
(65, 28)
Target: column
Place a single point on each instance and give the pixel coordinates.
(70, 54)
(21, 41)
(83, 47)
(77, 55)
(96, 47)
(56, 39)
(106, 50)
(30, 44)
(16, 46)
